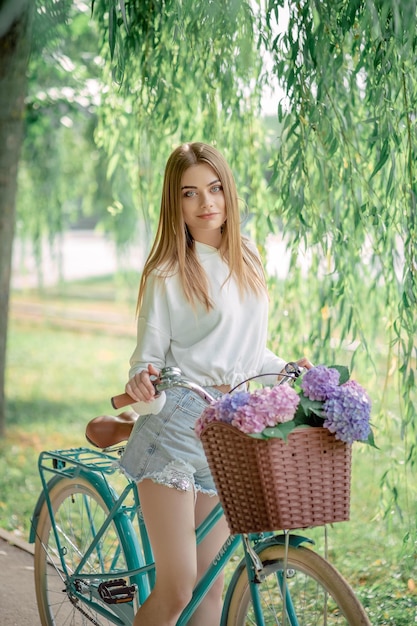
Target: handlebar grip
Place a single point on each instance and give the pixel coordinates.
(123, 399)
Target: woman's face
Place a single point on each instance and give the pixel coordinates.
(203, 204)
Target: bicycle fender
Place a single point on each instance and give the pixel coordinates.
(294, 541)
(94, 478)
(38, 507)
(260, 544)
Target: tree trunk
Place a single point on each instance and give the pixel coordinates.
(14, 52)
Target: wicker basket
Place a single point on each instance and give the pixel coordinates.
(270, 484)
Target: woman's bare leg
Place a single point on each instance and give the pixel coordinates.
(169, 518)
(209, 611)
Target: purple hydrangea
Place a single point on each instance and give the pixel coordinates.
(353, 384)
(348, 412)
(221, 410)
(319, 382)
(228, 404)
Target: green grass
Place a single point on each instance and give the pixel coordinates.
(59, 377)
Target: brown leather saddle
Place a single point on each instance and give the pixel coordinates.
(109, 430)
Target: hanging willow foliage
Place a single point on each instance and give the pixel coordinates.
(346, 181)
(185, 71)
(337, 179)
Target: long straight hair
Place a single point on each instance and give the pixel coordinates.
(173, 249)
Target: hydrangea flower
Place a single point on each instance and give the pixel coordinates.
(319, 382)
(248, 420)
(321, 401)
(348, 412)
(353, 384)
(229, 404)
(209, 415)
(252, 412)
(285, 400)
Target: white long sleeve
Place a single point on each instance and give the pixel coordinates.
(226, 345)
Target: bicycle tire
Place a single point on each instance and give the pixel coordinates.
(319, 594)
(79, 509)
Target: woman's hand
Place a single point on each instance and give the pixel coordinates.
(304, 362)
(140, 386)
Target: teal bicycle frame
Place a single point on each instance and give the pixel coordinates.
(93, 466)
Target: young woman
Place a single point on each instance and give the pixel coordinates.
(202, 306)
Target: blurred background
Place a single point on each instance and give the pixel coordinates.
(313, 105)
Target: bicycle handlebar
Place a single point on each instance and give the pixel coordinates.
(172, 377)
(168, 378)
(121, 400)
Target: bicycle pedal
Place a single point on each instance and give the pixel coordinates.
(116, 591)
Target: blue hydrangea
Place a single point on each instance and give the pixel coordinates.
(348, 412)
(319, 382)
(228, 405)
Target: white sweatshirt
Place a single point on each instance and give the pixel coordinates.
(226, 345)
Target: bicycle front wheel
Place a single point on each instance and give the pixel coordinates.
(317, 595)
(79, 512)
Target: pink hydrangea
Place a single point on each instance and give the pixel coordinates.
(252, 412)
(208, 415)
(286, 401)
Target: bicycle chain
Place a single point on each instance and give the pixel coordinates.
(74, 602)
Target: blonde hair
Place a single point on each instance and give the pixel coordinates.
(173, 249)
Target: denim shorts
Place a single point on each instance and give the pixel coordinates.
(164, 447)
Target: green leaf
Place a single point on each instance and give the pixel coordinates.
(113, 162)
(308, 418)
(391, 177)
(112, 29)
(371, 440)
(311, 406)
(383, 157)
(270, 224)
(280, 431)
(257, 435)
(123, 9)
(343, 371)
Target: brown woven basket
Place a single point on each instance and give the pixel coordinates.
(271, 484)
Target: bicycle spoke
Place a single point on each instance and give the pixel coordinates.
(64, 596)
(315, 593)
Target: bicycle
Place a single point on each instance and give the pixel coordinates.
(93, 560)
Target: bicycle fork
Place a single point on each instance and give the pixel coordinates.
(255, 567)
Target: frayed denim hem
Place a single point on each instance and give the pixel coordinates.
(177, 475)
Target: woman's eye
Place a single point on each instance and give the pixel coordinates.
(189, 194)
(216, 188)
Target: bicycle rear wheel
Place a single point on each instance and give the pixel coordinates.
(317, 594)
(79, 512)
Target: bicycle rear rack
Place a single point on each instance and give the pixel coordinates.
(56, 461)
